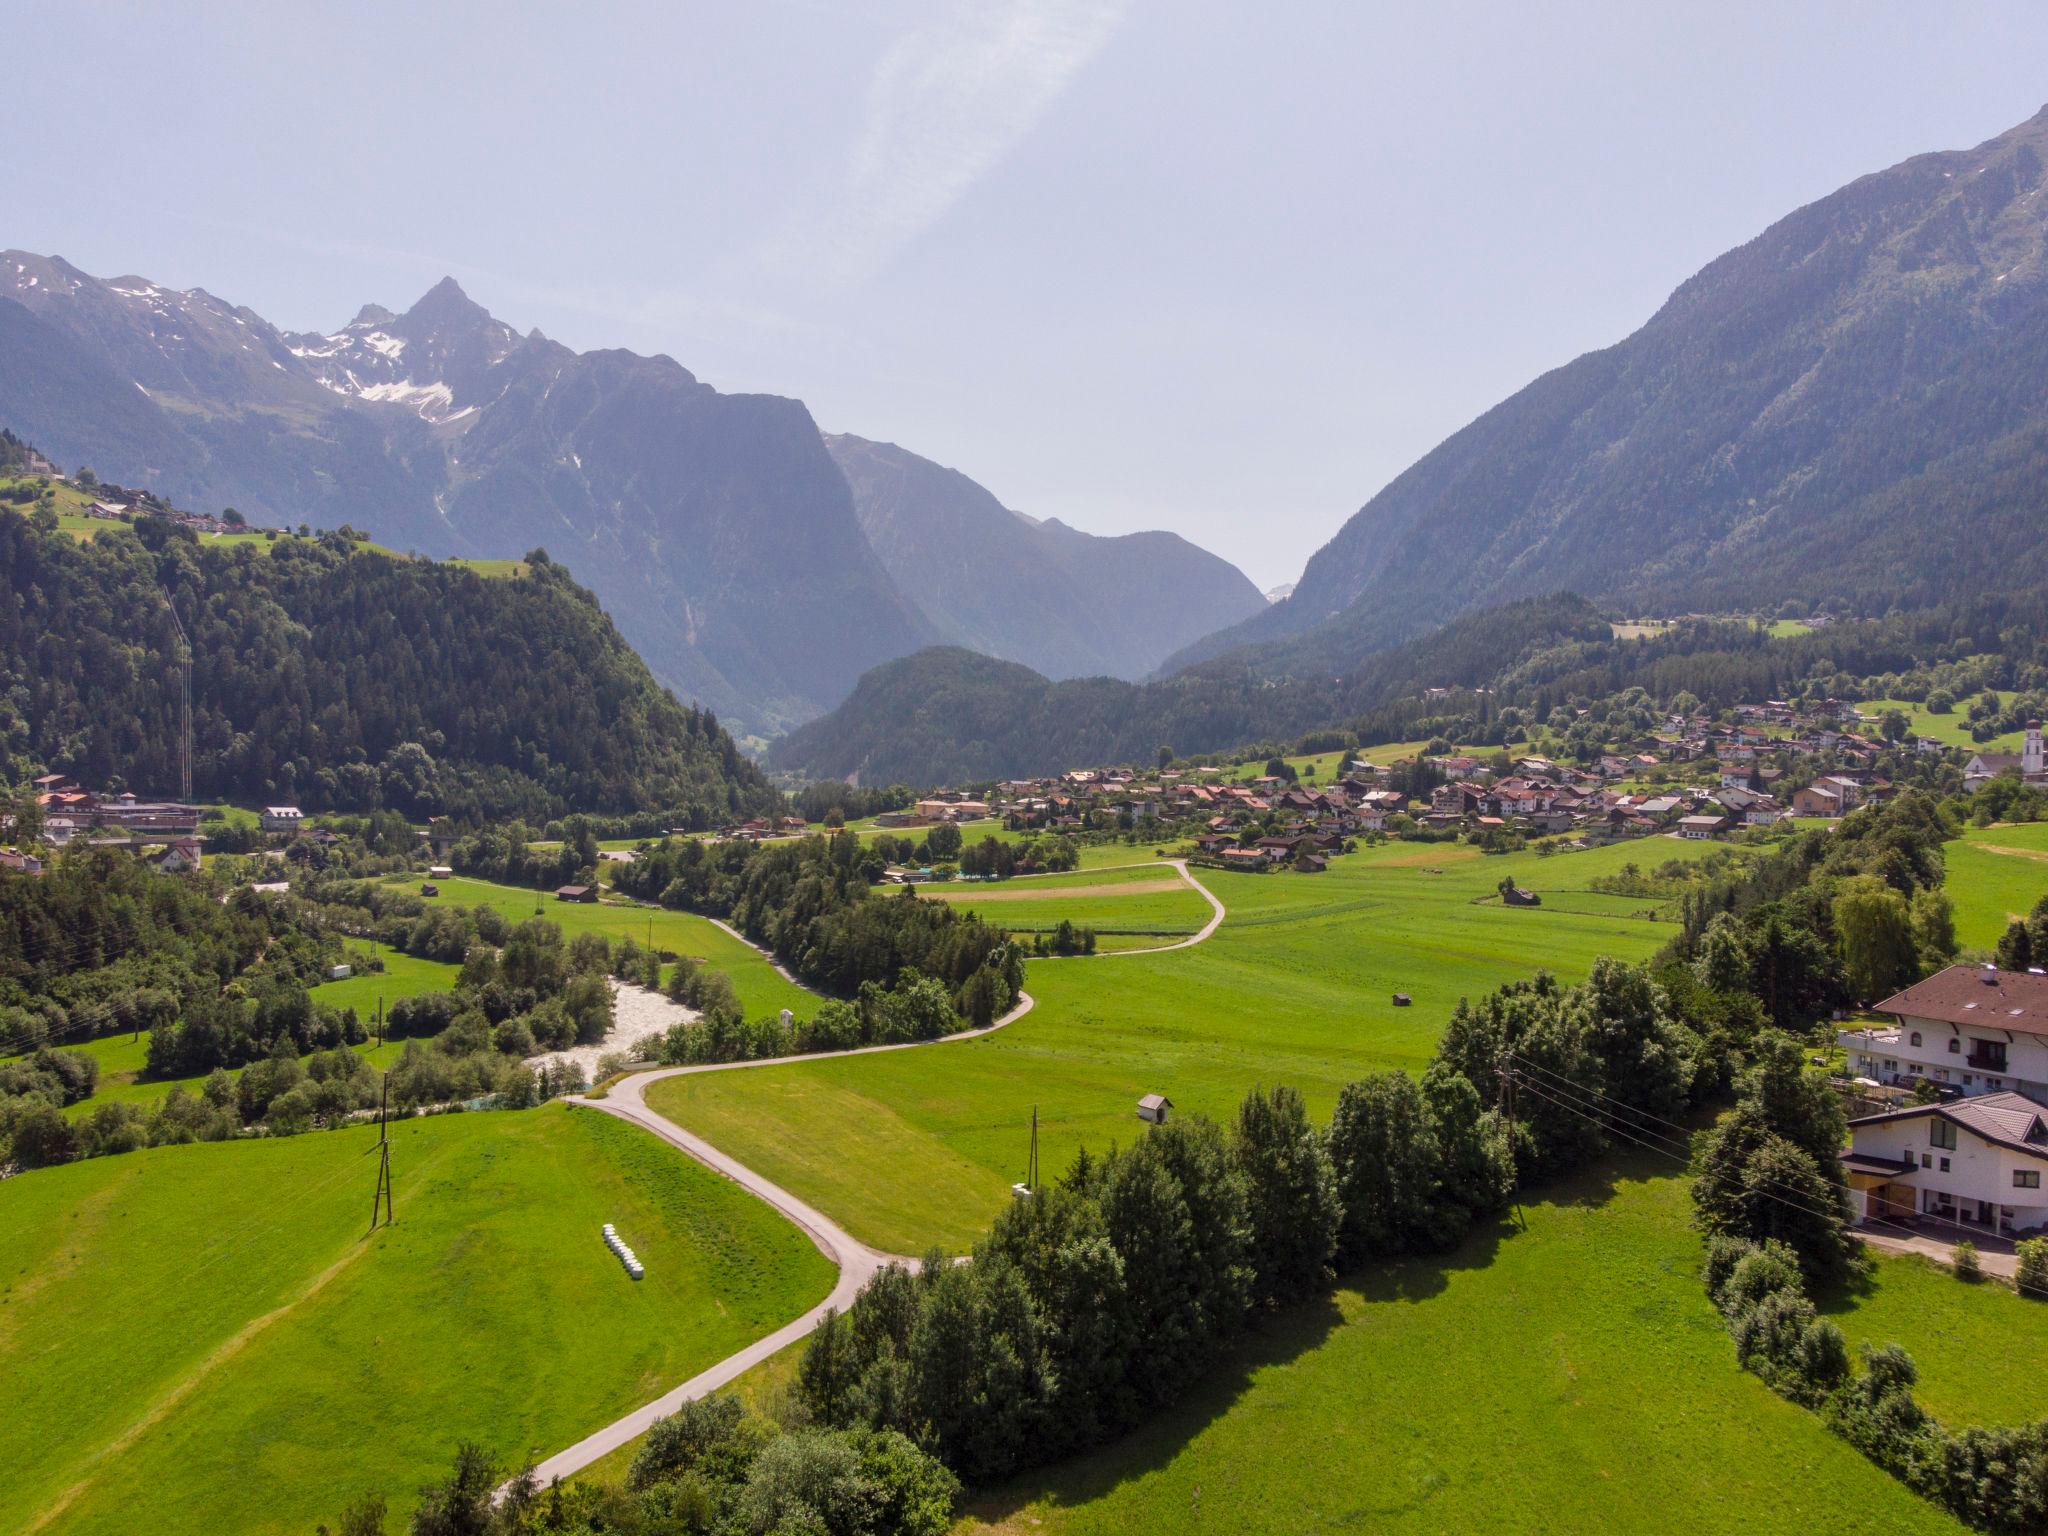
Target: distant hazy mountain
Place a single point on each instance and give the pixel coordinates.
(947, 715)
(1852, 405)
(1280, 593)
(1062, 602)
(715, 528)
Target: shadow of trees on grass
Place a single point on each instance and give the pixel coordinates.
(1282, 1337)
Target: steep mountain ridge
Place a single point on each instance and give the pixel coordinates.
(1030, 590)
(720, 530)
(1847, 407)
(715, 527)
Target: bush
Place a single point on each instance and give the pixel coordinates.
(2033, 1268)
(1966, 1265)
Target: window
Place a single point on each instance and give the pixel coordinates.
(1944, 1165)
(2026, 1178)
(1955, 1046)
(1913, 1038)
(1942, 1134)
(1926, 1160)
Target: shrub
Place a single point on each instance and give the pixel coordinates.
(1966, 1265)
(1770, 1270)
(2033, 1267)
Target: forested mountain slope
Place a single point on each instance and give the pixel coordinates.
(336, 677)
(1850, 406)
(1063, 602)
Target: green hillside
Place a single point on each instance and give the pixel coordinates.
(204, 1332)
(340, 678)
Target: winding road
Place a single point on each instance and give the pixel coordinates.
(627, 1100)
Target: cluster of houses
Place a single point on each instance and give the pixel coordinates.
(2029, 762)
(70, 811)
(759, 829)
(118, 505)
(1973, 1042)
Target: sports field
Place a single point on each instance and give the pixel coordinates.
(204, 1332)
(1296, 986)
(1995, 874)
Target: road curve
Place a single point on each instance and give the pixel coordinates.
(1216, 915)
(627, 1100)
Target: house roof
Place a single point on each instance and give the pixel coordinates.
(2005, 1119)
(1979, 996)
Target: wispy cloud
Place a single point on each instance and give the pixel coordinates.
(947, 101)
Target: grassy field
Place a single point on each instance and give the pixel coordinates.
(1143, 901)
(761, 988)
(496, 568)
(403, 976)
(1566, 1377)
(203, 1333)
(1995, 874)
(1982, 1349)
(1951, 729)
(917, 1147)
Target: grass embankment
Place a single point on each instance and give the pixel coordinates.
(1993, 875)
(200, 1338)
(915, 1147)
(1570, 1377)
(762, 990)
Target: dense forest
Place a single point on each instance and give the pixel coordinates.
(948, 716)
(340, 678)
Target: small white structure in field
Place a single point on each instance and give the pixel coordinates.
(622, 1253)
(1153, 1107)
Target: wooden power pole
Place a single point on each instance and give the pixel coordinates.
(382, 1198)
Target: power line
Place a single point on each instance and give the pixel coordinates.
(1770, 1189)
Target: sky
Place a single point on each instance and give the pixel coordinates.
(1219, 268)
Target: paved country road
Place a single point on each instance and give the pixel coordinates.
(627, 1099)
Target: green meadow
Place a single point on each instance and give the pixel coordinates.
(763, 991)
(915, 1147)
(1994, 874)
(205, 1331)
(1951, 729)
(1143, 900)
(1563, 1372)
(1982, 1348)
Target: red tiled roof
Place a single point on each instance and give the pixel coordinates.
(1979, 996)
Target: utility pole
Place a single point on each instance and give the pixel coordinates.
(1031, 1178)
(184, 702)
(383, 1195)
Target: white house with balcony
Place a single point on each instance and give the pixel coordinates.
(1967, 1029)
(1972, 1162)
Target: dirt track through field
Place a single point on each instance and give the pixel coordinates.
(1051, 892)
(2017, 853)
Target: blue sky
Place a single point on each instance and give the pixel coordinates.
(1224, 269)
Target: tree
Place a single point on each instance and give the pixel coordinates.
(1292, 1191)
(1164, 756)
(1893, 725)
(1383, 1145)
(2016, 947)
(1874, 930)
(233, 518)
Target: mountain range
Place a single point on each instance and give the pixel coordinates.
(739, 550)
(1849, 406)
